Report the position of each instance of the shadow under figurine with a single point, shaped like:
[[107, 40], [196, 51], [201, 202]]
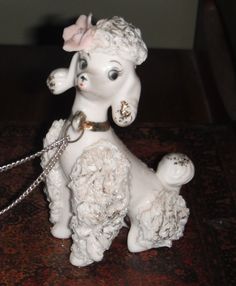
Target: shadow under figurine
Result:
[[98, 181]]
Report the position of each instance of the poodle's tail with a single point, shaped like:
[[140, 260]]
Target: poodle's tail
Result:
[[175, 170]]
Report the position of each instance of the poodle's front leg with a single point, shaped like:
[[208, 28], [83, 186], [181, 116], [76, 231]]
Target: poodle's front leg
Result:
[[56, 189], [100, 197], [59, 197]]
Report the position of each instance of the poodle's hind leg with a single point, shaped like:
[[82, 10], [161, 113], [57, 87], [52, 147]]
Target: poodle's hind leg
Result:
[[100, 197], [157, 222], [161, 216], [56, 190]]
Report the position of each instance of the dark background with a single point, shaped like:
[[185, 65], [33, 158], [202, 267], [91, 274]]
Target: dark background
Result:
[[178, 86]]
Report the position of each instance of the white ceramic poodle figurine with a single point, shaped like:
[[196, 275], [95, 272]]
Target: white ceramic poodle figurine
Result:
[[97, 181]]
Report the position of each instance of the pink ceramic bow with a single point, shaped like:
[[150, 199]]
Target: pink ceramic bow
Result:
[[80, 35]]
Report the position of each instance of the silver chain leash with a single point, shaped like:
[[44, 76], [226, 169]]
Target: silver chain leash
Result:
[[79, 123], [31, 157], [61, 144]]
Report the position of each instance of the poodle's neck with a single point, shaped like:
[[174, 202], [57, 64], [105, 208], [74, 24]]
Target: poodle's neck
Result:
[[95, 110]]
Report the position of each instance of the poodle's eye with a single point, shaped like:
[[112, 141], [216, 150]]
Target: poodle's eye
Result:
[[113, 74], [83, 64]]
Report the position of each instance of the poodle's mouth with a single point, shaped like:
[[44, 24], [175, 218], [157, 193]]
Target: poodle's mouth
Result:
[[82, 80]]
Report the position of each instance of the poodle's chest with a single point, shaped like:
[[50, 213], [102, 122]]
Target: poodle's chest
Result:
[[75, 149]]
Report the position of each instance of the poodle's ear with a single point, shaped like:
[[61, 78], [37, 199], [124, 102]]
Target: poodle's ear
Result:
[[63, 79], [125, 103]]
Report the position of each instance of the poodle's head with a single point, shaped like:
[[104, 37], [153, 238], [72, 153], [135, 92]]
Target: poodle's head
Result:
[[110, 36], [103, 67]]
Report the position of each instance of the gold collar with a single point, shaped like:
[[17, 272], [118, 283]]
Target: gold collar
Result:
[[79, 122]]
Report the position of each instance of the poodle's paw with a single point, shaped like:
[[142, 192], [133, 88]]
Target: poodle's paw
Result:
[[57, 81], [86, 247], [133, 240], [60, 231], [79, 261], [175, 170]]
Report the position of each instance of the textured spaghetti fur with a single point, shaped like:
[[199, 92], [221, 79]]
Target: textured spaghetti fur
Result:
[[162, 220], [100, 187]]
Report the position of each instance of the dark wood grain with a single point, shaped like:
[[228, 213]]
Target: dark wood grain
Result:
[[204, 256]]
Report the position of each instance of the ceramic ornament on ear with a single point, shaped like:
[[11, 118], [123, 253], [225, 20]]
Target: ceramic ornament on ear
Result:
[[98, 181]]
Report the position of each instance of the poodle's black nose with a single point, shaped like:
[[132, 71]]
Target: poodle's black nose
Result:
[[83, 78]]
